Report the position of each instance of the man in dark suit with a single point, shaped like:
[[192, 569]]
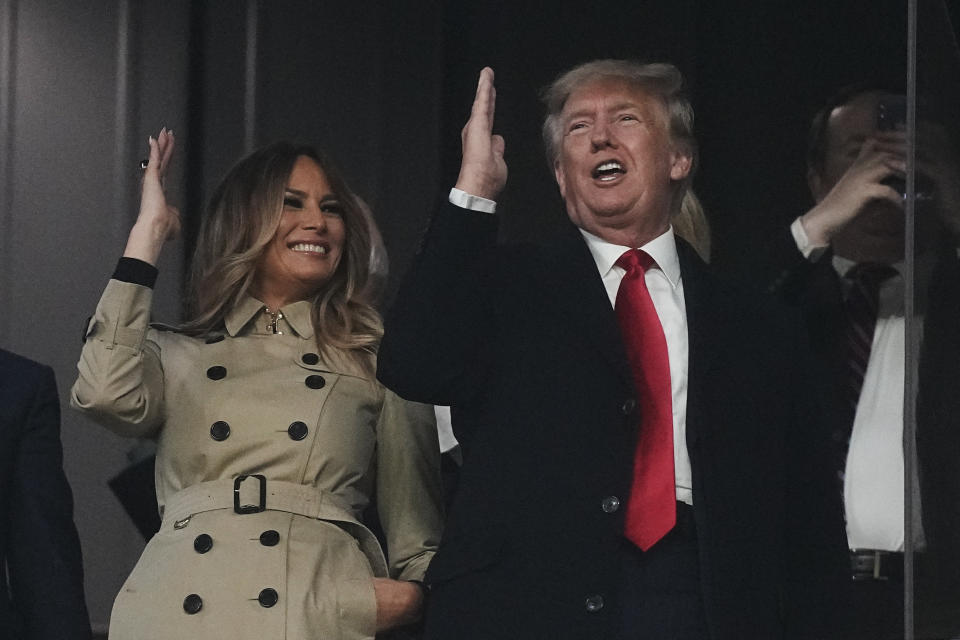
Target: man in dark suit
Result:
[[636, 463], [842, 266], [41, 583]]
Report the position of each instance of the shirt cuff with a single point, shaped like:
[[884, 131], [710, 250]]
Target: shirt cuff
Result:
[[464, 200], [810, 251], [136, 272]]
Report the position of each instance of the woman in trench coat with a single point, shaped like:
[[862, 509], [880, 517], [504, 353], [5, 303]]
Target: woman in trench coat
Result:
[[273, 434]]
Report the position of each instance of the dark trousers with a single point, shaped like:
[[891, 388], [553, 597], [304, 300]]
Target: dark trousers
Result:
[[661, 586], [875, 610]]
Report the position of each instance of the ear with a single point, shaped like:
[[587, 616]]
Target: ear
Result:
[[558, 174], [680, 165], [815, 184]]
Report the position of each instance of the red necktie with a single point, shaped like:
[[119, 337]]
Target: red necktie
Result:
[[652, 507]]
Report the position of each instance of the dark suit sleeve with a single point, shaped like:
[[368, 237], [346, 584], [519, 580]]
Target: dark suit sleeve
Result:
[[46, 573], [816, 564], [783, 269], [434, 333]]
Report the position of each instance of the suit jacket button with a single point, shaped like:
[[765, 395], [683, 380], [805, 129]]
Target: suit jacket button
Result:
[[297, 430], [269, 538], [202, 543], [267, 598], [217, 373], [610, 504], [220, 431], [310, 358], [315, 382], [594, 603], [192, 603], [628, 406]]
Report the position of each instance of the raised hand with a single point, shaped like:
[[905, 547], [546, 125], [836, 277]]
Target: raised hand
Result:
[[483, 171], [157, 221], [881, 156]]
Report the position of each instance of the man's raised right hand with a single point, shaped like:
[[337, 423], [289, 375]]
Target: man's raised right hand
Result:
[[483, 171]]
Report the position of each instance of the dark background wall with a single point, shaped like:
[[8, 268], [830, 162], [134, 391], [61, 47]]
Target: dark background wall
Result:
[[384, 87], [756, 72]]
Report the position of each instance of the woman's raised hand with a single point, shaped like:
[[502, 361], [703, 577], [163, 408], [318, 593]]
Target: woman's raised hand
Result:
[[157, 221]]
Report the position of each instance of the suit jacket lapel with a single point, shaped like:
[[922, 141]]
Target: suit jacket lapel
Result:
[[706, 331], [578, 292]]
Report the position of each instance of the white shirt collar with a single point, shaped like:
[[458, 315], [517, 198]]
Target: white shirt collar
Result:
[[663, 249]]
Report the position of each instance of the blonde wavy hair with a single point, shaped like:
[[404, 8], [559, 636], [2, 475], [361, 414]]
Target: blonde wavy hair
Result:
[[241, 220]]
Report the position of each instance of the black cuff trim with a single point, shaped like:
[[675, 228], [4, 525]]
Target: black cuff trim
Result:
[[136, 271]]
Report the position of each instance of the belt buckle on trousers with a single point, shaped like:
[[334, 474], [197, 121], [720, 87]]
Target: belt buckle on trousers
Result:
[[875, 564]]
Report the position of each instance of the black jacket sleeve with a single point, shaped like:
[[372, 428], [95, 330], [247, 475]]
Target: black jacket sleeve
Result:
[[43, 550], [435, 331]]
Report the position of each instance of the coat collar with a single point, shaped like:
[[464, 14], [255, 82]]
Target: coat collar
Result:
[[298, 315]]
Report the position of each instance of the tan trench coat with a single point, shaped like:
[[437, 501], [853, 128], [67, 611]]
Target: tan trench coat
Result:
[[247, 401]]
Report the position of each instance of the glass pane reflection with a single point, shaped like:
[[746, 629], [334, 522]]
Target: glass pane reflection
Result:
[[933, 350]]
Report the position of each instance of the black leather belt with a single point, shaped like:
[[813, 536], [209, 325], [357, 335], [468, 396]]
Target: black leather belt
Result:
[[874, 564]]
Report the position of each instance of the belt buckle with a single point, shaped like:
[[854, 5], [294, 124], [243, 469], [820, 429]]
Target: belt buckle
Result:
[[249, 508], [868, 565]]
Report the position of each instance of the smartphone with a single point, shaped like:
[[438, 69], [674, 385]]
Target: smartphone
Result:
[[892, 116], [892, 113]]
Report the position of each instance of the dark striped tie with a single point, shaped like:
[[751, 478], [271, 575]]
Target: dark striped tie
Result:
[[860, 308]]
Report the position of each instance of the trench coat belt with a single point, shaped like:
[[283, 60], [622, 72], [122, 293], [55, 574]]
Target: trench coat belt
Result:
[[280, 496]]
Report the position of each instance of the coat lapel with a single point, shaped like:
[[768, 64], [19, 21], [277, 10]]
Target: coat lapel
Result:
[[707, 334], [574, 284]]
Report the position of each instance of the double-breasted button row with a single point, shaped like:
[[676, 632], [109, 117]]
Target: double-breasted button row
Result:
[[193, 603], [313, 381], [220, 430], [204, 542], [594, 603]]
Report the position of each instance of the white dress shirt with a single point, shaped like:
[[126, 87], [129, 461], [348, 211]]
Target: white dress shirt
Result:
[[666, 291], [873, 483]]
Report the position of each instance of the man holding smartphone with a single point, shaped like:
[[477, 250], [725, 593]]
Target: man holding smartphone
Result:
[[846, 275]]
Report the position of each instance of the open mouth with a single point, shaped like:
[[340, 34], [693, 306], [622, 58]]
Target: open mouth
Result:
[[305, 247], [608, 171]]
